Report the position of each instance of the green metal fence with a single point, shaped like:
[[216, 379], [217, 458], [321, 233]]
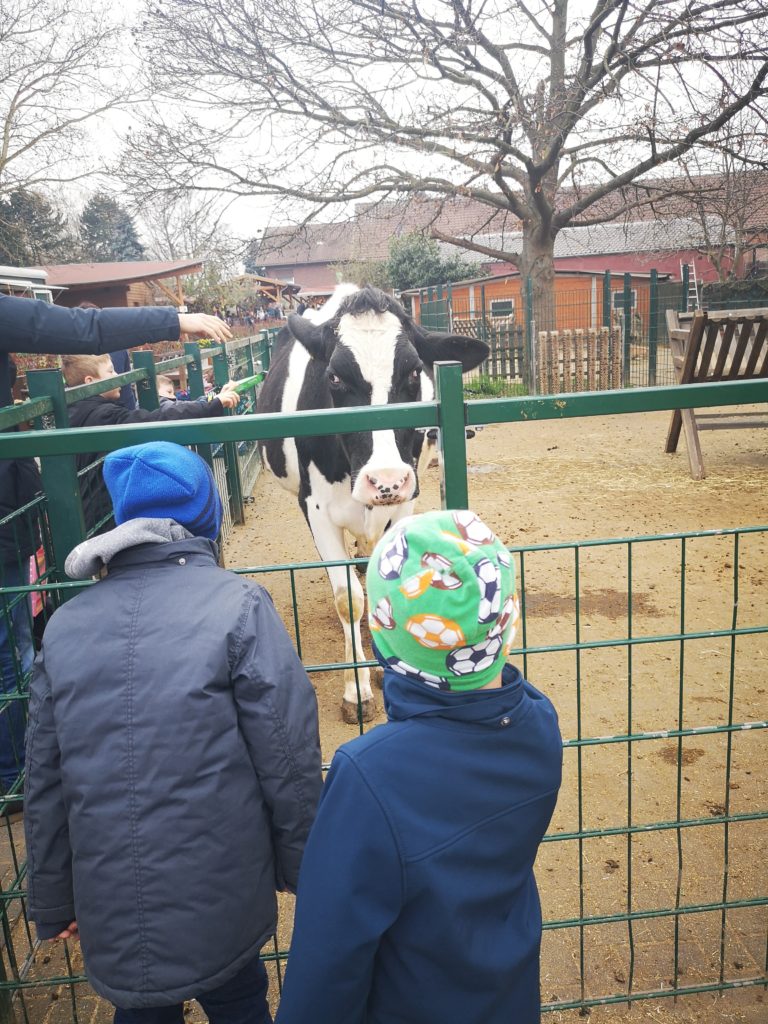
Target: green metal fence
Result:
[[633, 306], [651, 880]]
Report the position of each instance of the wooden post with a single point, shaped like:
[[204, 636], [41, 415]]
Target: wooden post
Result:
[[542, 363], [578, 360], [615, 343], [591, 351], [567, 374], [603, 349]]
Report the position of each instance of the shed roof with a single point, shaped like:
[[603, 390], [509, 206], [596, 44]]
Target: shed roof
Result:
[[73, 275]]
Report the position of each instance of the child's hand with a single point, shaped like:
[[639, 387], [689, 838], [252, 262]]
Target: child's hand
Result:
[[70, 932], [228, 397]]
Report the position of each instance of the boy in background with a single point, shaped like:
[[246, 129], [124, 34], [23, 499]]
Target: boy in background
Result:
[[417, 901], [165, 390], [173, 760], [104, 410]]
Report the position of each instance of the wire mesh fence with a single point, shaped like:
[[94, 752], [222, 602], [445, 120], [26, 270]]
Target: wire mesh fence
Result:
[[533, 340], [650, 882]]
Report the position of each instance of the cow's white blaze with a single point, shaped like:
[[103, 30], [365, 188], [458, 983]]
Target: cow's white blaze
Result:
[[297, 369], [372, 339]]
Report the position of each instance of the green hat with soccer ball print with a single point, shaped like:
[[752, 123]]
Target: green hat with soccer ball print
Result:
[[441, 594]]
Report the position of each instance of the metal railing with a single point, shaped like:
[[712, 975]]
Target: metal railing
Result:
[[616, 928]]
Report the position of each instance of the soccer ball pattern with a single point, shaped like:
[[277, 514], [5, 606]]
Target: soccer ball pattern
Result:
[[404, 669], [381, 617], [472, 529], [435, 632], [393, 558], [489, 581], [461, 637], [466, 660]]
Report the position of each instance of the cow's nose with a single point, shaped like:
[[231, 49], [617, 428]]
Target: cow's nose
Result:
[[389, 486]]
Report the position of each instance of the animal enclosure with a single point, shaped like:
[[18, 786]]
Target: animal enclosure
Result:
[[652, 647]]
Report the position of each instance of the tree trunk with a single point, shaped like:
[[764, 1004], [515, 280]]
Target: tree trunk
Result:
[[537, 264]]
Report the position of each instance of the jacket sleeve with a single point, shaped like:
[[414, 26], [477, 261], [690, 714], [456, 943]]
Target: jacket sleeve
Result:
[[49, 855], [30, 325], [351, 890], [28, 482], [277, 712], [110, 413]]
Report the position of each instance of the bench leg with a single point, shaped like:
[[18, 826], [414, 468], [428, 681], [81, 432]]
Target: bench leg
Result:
[[673, 435], [692, 444]]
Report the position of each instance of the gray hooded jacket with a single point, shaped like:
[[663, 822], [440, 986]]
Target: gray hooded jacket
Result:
[[173, 766]]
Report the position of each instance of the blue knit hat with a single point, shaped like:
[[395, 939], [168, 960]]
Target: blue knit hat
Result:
[[160, 480]]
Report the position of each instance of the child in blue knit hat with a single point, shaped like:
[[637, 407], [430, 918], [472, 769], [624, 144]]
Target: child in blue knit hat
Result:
[[417, 901], [173, 760]]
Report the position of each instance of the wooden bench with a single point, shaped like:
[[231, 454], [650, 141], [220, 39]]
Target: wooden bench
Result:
[[709, 346]]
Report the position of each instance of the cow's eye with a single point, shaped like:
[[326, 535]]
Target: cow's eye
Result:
[[334, 380], [415, 375]]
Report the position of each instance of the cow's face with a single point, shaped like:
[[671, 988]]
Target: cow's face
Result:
[[374, 354]]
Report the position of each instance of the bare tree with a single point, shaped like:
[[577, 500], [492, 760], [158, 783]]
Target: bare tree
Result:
[[60, 67], [540, 110], [189, 226], [731, 204]]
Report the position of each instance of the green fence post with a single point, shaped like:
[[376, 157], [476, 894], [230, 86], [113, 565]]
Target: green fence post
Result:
[[627, 326], [453, 441], [59, 474], [607, 298], [684, 289], [653, 328], [7, 1015], [484, 324], [146, 389], [265, 350], [231, 461], [196, 388], [449, 299]]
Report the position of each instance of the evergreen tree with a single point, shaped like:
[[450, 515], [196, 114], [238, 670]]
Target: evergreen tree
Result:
[[415, 262], [107, 232], [32, 232]]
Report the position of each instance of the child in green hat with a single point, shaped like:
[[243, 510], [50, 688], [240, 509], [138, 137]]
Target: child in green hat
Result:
[[417, 901]]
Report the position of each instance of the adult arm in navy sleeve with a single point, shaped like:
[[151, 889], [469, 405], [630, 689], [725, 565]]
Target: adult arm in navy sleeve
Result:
[[49, 855], [277, 714], [30, 325], [351, 890]]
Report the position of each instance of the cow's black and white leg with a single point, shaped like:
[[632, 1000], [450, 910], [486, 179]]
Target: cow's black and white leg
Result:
[[349, 598]]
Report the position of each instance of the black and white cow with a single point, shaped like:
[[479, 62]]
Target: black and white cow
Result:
[[363, 349]]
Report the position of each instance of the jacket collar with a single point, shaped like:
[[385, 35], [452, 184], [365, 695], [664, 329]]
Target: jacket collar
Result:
[[406, 697], [133, 542]]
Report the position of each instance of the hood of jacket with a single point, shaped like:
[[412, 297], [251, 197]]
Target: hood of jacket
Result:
[[89, 558], [406, 698]]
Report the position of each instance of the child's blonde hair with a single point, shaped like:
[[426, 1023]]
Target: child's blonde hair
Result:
[[165, 382], [77, 368]]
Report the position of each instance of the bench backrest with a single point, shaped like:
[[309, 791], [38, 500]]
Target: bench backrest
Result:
[[721, 344]]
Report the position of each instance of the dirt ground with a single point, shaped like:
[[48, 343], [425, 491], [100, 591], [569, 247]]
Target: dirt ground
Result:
[[556, 482], [544, 484]]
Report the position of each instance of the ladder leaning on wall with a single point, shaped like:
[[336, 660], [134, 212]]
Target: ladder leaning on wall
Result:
[[693, 286]]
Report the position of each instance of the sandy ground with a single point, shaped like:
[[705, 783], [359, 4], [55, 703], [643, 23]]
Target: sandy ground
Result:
[[576, 480]]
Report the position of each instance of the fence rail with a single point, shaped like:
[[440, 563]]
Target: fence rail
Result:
[[615, 934]]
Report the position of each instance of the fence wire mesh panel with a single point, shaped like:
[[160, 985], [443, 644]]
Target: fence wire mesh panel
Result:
[[651, 880], [519, 328]]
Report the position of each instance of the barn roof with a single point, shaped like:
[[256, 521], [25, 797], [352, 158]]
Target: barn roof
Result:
[[73, 275], [367, 233], [677, 233]]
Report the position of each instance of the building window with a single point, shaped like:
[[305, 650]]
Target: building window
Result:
[[618, 299], [502, 307]]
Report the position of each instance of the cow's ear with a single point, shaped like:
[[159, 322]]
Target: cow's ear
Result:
[[312, 336], [434, 345]]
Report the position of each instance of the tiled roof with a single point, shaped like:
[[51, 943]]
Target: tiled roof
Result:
[[613, 238], [367, 234], [71, 275]]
